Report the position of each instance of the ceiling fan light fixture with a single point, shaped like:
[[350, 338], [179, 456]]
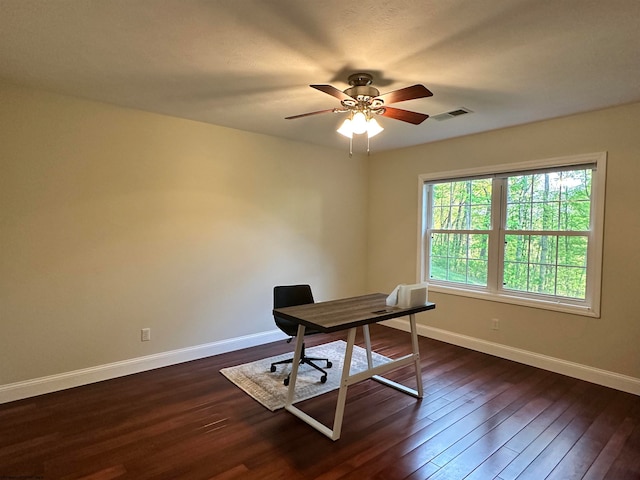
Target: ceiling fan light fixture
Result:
[[359, 123], [373, 128], [348, 128], [345, 129]]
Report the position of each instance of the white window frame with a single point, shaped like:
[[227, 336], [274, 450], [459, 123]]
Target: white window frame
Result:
[[590, 306]]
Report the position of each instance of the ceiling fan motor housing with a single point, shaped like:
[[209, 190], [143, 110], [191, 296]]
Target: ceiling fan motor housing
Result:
[[361, 86], [356, 92]]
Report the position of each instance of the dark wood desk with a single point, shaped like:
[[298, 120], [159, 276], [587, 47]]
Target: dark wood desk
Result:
[[349, 314]]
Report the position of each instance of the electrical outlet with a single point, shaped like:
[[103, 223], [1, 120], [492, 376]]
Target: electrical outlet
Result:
[[495, 324], [145, 334]]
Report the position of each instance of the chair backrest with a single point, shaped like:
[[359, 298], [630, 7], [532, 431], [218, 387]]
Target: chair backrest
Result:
[[290, 296]]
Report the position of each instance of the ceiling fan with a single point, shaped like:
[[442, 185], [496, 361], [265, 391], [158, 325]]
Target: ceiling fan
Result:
[[362, 102]]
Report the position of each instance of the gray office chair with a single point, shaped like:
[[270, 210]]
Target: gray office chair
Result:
[[291, 296]]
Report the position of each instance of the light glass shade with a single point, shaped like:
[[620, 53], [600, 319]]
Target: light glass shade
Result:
[[373, 128], [345, 129], [359, 123]]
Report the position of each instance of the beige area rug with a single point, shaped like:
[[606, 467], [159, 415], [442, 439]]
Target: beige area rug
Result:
[[256, 380]]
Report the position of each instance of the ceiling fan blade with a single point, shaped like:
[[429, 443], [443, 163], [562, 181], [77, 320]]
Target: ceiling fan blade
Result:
[[404, 94], [312, 113], [333, 91], [404, 115]]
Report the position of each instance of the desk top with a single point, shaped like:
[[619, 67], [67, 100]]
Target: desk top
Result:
[[347, 313]]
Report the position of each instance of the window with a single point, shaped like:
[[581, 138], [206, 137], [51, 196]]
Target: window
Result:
[[528, 233]]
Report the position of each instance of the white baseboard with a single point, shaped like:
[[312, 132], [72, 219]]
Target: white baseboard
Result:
[[53, 383], [571, 369]]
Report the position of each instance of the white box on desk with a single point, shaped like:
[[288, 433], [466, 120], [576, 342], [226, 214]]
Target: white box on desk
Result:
[[406, 296]]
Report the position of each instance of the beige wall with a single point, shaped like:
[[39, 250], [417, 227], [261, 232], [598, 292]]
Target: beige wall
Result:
[[611, 342], [112, 220]]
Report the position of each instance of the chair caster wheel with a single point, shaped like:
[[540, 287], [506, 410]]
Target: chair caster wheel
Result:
[[323, 379], [286, 382], [329, 364], [273, 368]]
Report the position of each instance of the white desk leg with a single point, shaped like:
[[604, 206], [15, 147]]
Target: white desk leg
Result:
[[342, 393], [344, 384], [294, 365], [416, 353], [367, 342]]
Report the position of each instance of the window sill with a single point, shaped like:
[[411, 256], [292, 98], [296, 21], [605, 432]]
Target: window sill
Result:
[[556, 306]]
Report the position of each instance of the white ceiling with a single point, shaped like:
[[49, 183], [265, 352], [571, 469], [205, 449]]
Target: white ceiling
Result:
[[247, 64]]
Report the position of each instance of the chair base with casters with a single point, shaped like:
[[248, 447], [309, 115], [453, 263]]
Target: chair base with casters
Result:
[[307, 361], [291, 296]]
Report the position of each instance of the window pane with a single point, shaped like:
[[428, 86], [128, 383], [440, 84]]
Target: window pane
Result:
[[543, 249], [458, 245], [516, 248], [438, 268], [546, 187], [572, 251], [441, 194], [544, 215], [459, 217], [542, 279], [480, 217], [574, 216], [462, 205], [439, 244], [519, 216], [572, 282], [460, 258], [478, 246], [516, 275], [519, 189], [457, 270], [440, 217], [576, 184], [477, 272]]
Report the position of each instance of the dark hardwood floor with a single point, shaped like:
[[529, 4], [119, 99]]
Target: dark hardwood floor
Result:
[[482, 418]]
